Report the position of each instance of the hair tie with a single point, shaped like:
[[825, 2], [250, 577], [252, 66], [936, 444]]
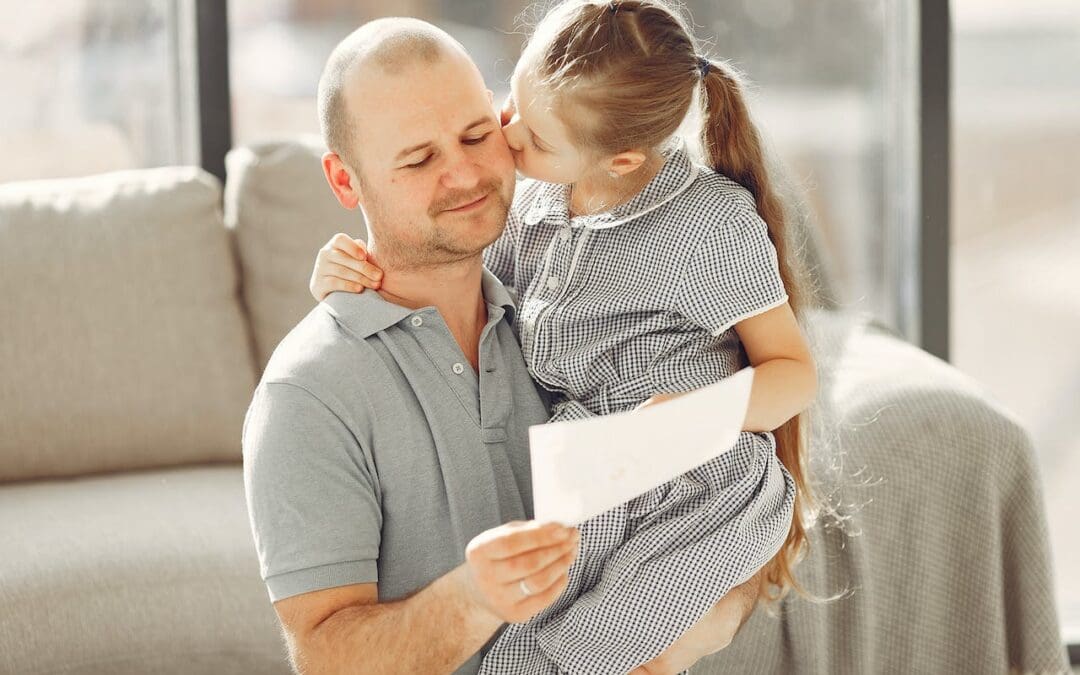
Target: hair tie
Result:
[[613, 7], [703, 66]]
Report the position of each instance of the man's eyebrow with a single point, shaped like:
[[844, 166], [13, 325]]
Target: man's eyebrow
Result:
[[420, 146], [486, 119], [408, 151]]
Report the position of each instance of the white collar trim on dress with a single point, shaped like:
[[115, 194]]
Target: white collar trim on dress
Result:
[[690, 177]]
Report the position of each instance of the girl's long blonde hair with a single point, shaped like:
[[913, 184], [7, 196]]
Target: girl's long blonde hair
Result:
[[626, 74]]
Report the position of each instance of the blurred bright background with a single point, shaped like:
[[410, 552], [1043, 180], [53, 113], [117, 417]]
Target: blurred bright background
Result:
[[98, 85]]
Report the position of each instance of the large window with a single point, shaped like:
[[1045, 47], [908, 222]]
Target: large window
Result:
[[96, 85], [1016, 238]]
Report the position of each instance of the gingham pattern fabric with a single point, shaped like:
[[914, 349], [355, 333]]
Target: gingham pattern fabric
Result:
[[614, 308]]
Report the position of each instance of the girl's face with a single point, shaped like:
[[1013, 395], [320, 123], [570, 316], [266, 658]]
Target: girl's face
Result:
[[538, 139]]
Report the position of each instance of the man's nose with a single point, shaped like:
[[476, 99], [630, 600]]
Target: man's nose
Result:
[[461, 171]]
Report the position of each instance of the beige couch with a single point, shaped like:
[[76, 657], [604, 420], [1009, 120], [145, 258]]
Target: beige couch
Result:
[[137, 310]]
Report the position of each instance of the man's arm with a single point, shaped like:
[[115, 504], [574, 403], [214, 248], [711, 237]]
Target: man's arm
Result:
[[347, 630]]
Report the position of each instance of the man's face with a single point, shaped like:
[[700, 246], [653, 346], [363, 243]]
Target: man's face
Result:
[[436, 174]]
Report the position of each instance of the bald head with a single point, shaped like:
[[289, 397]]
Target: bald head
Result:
[[390, 45]]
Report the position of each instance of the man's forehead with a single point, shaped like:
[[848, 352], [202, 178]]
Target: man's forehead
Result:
[[400, 109]]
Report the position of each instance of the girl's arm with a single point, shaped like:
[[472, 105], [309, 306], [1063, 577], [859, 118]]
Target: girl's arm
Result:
[[343, 265], [785, 377]]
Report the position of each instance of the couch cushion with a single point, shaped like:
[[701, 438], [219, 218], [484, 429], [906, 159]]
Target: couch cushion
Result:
[[279, 203], [124, 342], [138, 572]]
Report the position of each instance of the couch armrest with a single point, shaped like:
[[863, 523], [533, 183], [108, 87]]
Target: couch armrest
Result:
[[936, 542]]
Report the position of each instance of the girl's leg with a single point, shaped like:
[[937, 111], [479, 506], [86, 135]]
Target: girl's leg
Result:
[[713, 529]]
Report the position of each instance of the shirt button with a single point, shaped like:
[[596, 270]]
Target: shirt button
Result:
[[564, 235], [417, 321], [458, 368], [553, 282]]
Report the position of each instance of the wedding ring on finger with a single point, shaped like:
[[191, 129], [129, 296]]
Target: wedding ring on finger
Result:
[[525, 590]]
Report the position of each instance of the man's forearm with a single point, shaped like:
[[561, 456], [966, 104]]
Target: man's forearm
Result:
[[433, 631]]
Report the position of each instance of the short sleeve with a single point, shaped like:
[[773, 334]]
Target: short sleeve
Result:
[[312, 503], [733, 274]]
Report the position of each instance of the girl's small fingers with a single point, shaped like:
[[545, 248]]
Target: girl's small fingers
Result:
[[342, 259], [370, 271], [349, 246], [335, 271], [331, 284]]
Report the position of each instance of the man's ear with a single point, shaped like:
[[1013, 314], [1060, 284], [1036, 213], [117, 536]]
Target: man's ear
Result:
[[343, 182], [626, 162]]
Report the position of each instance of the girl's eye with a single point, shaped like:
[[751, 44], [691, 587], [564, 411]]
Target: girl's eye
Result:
[[419, 164], [532, 139], [478, 140]]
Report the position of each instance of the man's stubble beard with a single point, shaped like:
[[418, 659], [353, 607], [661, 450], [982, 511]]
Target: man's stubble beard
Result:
[[441, 244]]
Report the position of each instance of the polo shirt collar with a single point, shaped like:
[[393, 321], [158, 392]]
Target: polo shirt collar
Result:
[[674, 177], [368, 313]]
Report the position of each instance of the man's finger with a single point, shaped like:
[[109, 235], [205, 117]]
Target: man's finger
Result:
[[531, 604], [525, 565], [507, 542], [554, 574]]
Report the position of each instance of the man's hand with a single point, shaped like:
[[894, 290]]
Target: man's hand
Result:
[[714, 632], [515, 570]]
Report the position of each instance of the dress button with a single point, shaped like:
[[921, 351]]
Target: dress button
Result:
[[458, 368], [417, 321], [553, 282]]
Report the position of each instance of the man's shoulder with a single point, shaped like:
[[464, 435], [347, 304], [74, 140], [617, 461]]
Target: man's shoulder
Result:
[[318, 353]]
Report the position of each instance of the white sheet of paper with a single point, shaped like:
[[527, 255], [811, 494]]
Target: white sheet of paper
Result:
[[585, 467]]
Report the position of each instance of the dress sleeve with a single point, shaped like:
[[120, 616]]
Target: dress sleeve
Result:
[[312, 501], [733, 274]]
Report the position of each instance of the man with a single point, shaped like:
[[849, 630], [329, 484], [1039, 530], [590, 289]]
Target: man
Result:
[[386, 457]]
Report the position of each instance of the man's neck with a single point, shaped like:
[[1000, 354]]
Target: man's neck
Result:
[[453, 288]]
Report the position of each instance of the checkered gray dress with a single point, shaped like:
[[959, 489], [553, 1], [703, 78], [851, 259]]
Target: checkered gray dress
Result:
[[614, 308]]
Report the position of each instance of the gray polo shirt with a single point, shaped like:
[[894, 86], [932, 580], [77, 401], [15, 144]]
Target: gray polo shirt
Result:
[[373, 452]]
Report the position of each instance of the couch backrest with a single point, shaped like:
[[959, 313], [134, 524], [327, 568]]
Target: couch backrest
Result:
[[123, 343], [282, 210]]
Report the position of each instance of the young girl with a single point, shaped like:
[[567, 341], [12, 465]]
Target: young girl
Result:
[[640, 273]]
